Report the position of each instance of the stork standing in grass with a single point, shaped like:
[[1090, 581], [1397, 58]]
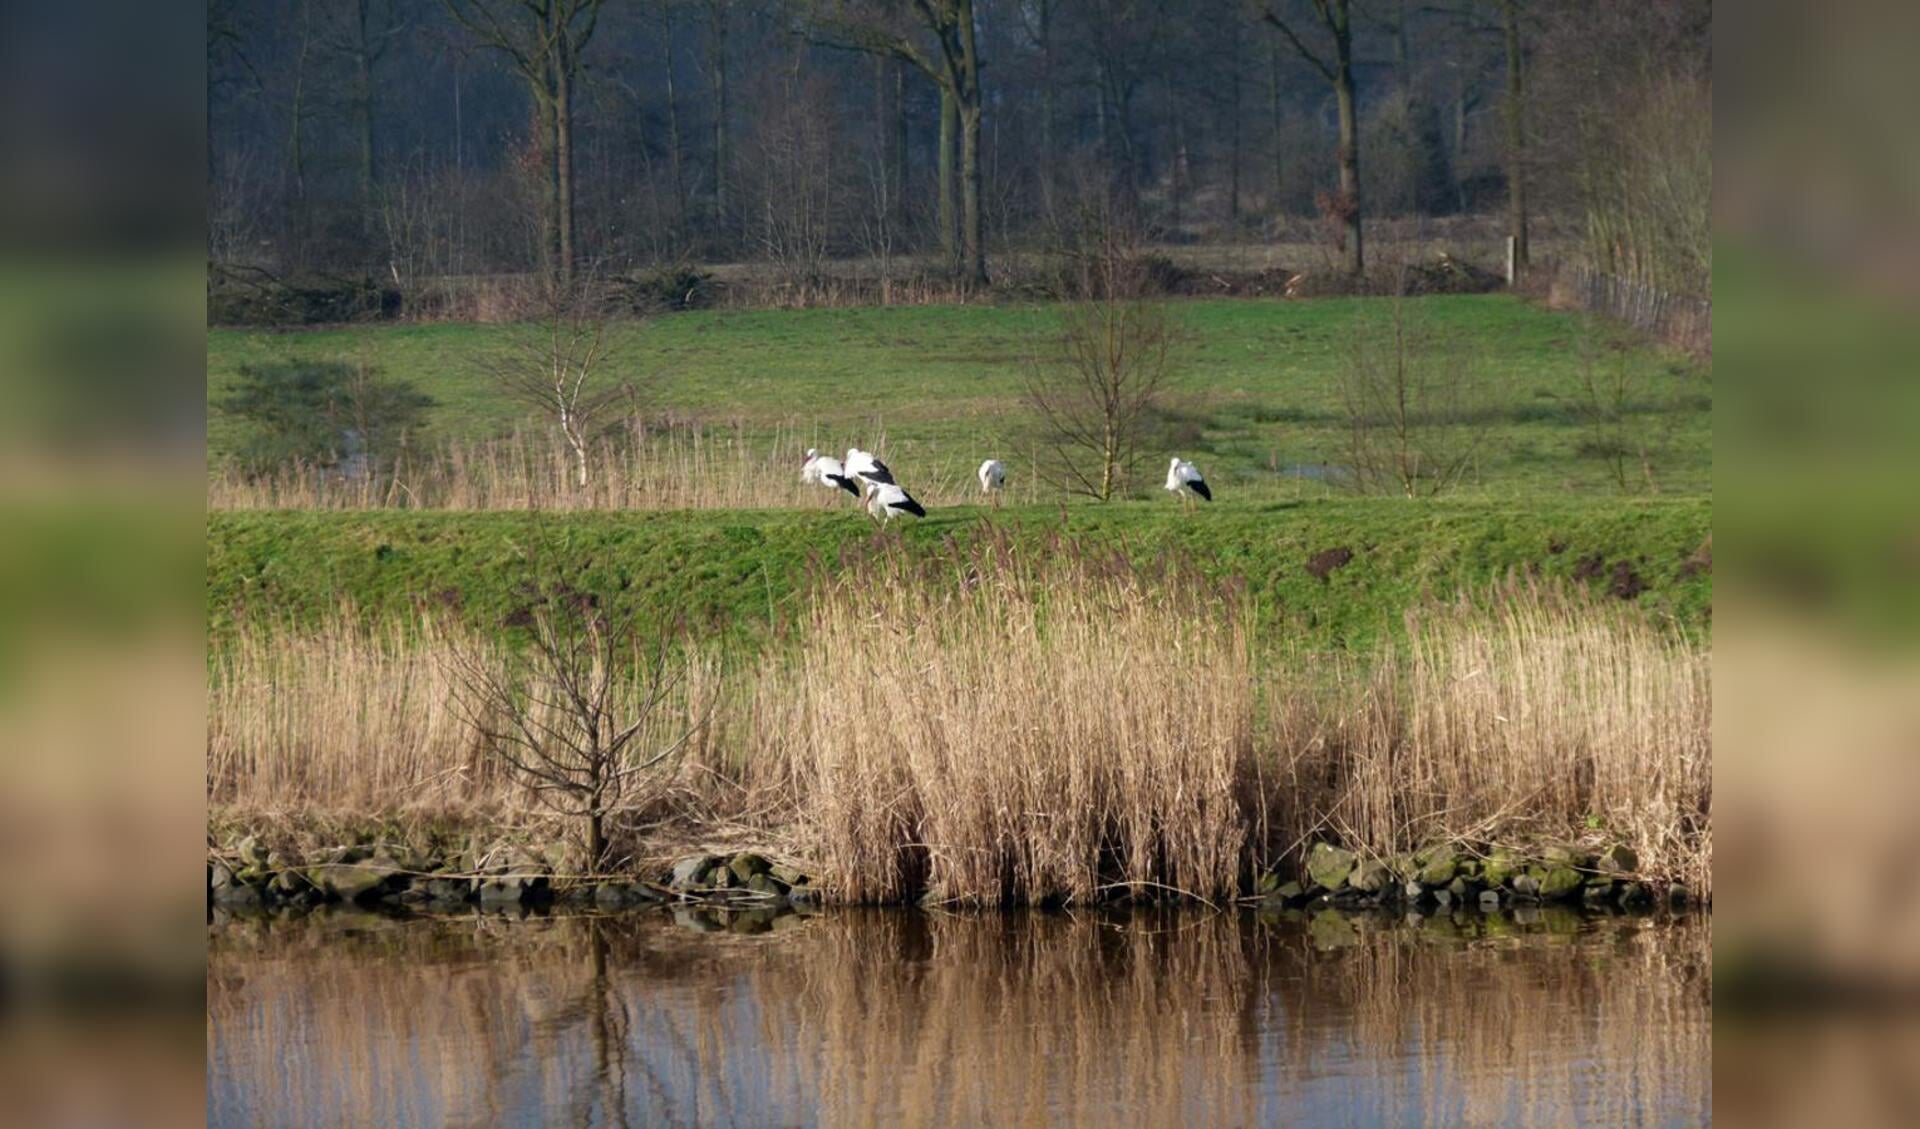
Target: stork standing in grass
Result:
[[993, 479], [1183, 478], [884, 499], [863, 466], [825, 470]]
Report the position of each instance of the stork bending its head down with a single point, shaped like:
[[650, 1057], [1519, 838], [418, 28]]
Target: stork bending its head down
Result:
[[884, 499], [993, 479], [1183, 478], [825, 470]]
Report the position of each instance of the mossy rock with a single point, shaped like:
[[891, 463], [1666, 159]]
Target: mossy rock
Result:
[[1267, 883], [1559, 855], [1438, 866], [747, 864], [691, 871], [766, 884], [1329, 865], [1289, 892], [721, 877], [1404, 866], [1498, 867], [252, 851], [791, 875], [1561, 882], [1618, 859], [350, 882], [1369, 877]]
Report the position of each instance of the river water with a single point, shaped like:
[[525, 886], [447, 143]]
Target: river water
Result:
[[872, 1017]]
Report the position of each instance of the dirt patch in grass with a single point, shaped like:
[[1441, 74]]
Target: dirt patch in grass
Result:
[[1327, 561]]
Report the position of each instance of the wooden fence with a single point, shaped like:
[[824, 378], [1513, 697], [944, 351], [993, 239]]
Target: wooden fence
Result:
[[1678, 319]]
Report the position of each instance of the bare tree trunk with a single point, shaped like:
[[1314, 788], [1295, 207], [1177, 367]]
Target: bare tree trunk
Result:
[[1349, 155], [1273, 109], [899, 154], [973, 107], [296, 153], [363, 112], [1176, 154], [972, 217], [1048, 157], [1350, 176], [1233, 127], [563, 177], [717, 69], [949, 218], [674, 146], [1336, 18], [1462, 104], [1516, 141]]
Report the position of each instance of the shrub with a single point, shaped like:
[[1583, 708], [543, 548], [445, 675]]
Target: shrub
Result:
[[257, 298], [322, 412]]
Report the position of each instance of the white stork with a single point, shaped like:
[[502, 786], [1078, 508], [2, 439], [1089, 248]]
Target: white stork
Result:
[[884, 499], [863, 466], [825, 470], [1183, 478], [993, 479]]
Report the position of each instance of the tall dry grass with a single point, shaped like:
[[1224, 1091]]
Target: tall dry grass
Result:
[[1531, 713], [634, 467], [1005, 727], [1022, 728]]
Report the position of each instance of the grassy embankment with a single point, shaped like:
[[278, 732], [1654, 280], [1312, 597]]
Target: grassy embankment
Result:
[[1256, 397], [1008, 712], [731, 575]]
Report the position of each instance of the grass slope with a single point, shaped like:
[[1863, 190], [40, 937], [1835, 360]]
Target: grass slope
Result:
[[1257, 387], [735, 574]]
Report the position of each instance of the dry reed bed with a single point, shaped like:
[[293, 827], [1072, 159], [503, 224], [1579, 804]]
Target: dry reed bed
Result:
[[635, 467], [1021, 728]]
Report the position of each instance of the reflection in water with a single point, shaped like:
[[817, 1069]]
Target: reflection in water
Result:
[[877, 1017]]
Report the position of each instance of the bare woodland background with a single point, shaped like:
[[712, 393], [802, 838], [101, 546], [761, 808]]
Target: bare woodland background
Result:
[[427, 145]]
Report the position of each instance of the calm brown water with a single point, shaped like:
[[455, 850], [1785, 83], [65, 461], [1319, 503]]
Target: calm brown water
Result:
[[901, 1018]]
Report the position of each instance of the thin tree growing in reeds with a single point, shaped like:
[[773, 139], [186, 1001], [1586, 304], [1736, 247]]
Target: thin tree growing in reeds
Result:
[[551, 711]]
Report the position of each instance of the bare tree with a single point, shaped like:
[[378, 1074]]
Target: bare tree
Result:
[[796, 181], [1336, 66], [1516, 107], [1618, 407], [1412, 400], [544, 40], [561, 366], [570, 713], [1096, 389], [888, 27]]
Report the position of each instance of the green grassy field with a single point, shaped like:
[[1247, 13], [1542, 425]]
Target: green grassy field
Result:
[[1257, 394], [732, 575]]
